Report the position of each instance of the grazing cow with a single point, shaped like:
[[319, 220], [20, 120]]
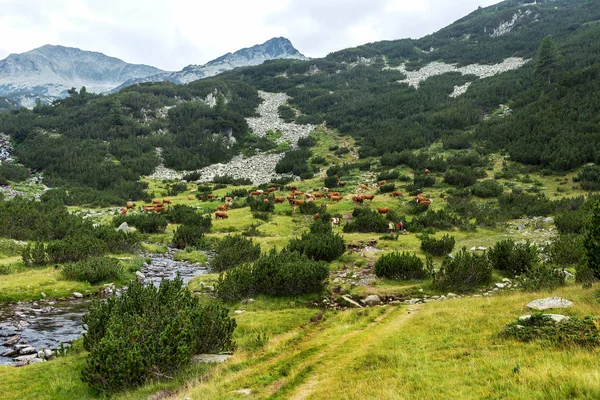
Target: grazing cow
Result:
[[381, 183], [221, 215], [383, 210], [279, 199], [191, 198], [290, 197], [308, 196], [265, 201], [427, 171], [293, 188], [326, 189], [210, 196], [335, 221], [199, 196], [228, 199], [335, 199], [445, 198], [271, 189], [315, 217], [297, 193], [364, 187], [358, 199], [318, 195], [331, 194], [221, 207], [130, 205], [342, 183], [425, 203], [148, 208], [298, 202], [369, 196], [260, 191], [166, 201], [156, 201], [124, 211], [397, 194]]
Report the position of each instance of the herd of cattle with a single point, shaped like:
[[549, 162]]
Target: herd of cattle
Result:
[[295, 198]]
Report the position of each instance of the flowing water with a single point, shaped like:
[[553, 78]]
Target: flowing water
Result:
[[45, 324]]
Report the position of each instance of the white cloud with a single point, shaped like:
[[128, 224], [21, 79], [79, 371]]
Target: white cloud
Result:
[[172, 34]]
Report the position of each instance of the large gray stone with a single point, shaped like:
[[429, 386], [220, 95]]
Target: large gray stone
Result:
[[555, 317], [77, 295], [372, 300], [12, 340], [124, 227], [211, 358], [549, 302], [140, 276], [28, 350]]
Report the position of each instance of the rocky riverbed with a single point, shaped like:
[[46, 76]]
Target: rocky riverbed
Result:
[[32, 332]]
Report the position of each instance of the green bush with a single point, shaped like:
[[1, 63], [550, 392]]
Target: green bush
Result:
[[387, 188], [311, 208], [464, 272], [589, 178], [518, 205], [149, 333], [366, 220], [75, 248], [441, 219], [542, 276], [234, 250], [93, 270], [513, 258], [437, 247], [402, 266], [182, 214], [34, 255], [145, 223], [387, 175], [461, 177], [276, 274], [579, 332], [567, 250], [591, 241], [571, 221], [257, 204], [188, 235], [320, 243], [487, 188]]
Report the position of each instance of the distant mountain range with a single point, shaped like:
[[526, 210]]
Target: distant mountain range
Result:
[[275, 48], [47, 73]]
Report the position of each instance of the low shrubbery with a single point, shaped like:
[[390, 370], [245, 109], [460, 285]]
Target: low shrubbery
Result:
[[574, 332], [94, 270], [320, 243], [487, 188], [441, 219], [437, 247], [188, 235], [402, 266], [145, 223], [519, 204], [464, 272], [276, 274], [234, 250], [258, 204], [387, 188], [513, 258], [567, 250], [541, 276], [148, 333], [461, 177], [366, 220], [571, 221]]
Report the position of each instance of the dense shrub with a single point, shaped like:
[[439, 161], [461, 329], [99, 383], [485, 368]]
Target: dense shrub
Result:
[[487, 188], [441, 219], [188, 235], [330, 181], [234, 250], [319, 160], [93, 270], [589, 177], [518, 205], [387, 188], [567, 250], [402, 266], [320, 243], [437, 247], [34, 255], [573, 222], [591, 241], [542, 276], [276, 274], [463, 273], [461, 177], [311, 208], [308, 141], [286, 113], [152, 332], [173, 189], [366, 220], [258, 204], [580, 332], [145, 223], [12, 172], [294, 161], [75, 248], [513, 258], [191, 176], [182, 214], [388, 175]]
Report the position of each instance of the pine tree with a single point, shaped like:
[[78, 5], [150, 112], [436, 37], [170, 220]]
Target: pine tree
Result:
[[592, 241], [547, 58]]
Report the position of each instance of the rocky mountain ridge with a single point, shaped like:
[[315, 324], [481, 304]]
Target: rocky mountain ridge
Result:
[[276, 48]]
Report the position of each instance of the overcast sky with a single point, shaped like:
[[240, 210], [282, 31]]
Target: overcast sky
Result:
[[172, 34]]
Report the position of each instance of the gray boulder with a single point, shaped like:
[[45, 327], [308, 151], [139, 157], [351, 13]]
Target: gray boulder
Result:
[[77, 295], [555, 317], [549, 302], [139, 276], [124, 227], [372, 300]]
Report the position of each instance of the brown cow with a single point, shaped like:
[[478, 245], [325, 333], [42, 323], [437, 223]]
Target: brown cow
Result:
[[330, 194], [200, 197], [228, 199], [397, 194], [335, 221], [190, 198], [384, 210], [260, 191], [265, 201], [221, 215], [156, 201], [124, 211], [315, 217], [325, 189], [381, 183], [293, 188], [279, 199], [342, 183], [130, 205], [271, 189], [427, 171], [358, 199], [364, 187], [210, 196], [221, 207], [298, 202], [148, 208], [318, 195], [335, 198], [445, 198], [166, 201], [369, 196]]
